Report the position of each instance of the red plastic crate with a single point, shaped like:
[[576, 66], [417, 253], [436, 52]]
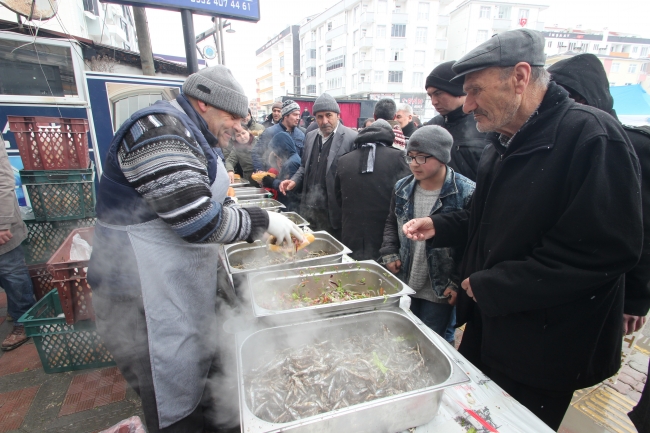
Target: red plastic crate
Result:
[[69, 277], [41, 280], [51, 143]]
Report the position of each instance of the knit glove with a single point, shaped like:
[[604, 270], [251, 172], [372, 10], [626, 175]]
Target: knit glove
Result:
[[267, 182]]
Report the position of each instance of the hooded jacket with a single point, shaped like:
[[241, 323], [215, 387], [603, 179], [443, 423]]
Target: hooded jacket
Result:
[[468, 141], [546, 246], [282, 145], [585, 76], [364, 198]]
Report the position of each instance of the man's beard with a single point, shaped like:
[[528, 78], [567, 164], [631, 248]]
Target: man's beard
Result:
[[508, 114]]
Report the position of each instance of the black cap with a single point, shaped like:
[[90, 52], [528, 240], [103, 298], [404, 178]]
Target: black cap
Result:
[[440, 79], [503, 49]]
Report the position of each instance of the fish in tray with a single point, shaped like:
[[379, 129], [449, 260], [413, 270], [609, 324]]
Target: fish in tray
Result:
[[311, 379]]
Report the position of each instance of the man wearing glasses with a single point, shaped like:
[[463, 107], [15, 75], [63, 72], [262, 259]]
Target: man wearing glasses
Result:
[[432, 188]]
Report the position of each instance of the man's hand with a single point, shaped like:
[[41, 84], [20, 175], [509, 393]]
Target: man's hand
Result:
[[287, 185], [419, 229], [451, 295], [467, 288], [632, 324], [395, 266], [5, 236], [231, 176]]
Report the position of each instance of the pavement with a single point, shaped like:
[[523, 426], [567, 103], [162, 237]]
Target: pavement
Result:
[[89, 401]]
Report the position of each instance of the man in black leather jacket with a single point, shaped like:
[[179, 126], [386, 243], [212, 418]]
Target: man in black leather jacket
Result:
[[448, 98]]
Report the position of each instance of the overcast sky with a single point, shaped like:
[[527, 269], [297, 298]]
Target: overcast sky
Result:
[[631, 16]]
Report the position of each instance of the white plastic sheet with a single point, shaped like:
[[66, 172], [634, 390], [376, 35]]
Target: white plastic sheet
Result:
[[80, 249], [129, 425]]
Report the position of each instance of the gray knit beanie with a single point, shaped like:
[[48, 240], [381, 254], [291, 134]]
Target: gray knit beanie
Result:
[[216, 86], [433, 140], [276, 104], [289, 106], [326, 102]]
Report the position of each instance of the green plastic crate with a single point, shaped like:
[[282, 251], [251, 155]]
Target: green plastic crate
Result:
[[63, 347], [58, 195], [44, 238]]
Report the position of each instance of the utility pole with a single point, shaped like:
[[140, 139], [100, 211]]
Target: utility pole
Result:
[[223, 54], [190, 41], [216, 35], [144, 40]]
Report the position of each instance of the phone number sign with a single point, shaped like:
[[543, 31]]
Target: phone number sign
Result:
[[245, 10]]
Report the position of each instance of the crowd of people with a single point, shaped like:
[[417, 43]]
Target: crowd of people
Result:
[[520, 211]]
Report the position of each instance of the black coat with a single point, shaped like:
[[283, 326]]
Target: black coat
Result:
[[554, 223], [364, 198], [468, 141], [409, 129]]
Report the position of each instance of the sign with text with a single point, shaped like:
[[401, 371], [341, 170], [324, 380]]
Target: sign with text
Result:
[[415, 100], [244, 10]]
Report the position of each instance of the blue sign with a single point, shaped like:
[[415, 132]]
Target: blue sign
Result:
[[245, 10]]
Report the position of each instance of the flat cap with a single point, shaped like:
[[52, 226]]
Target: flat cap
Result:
[[503, 49]]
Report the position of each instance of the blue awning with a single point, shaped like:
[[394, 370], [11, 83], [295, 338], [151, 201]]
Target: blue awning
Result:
[[630, 100]]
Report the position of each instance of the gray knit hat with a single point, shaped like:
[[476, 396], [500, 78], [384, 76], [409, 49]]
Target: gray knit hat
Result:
[[216, 86], [326, 102], [289, 106], [276, 104], [433, 140]]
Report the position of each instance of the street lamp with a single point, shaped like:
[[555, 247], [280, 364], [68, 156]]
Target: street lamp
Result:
[[219, 25]]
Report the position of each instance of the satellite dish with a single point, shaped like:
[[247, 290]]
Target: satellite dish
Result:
[[209, 52], [32, 9]]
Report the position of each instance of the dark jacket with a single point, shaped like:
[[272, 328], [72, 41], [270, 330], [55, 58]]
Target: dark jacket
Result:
[[282, 145], [241, 154], [269, 121], [455, 195], [261, 149], [468, 142], [341, 144], [585, 76], [364, 198], [547, 246], [409, 129]]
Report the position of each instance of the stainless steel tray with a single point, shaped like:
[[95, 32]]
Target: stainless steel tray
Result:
[[296, 219], [388, 414], [266, 204], [248, 193], [239, 253], [239, 183], [267, 287]]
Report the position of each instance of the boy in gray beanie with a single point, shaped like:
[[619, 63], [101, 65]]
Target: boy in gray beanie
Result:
[[433, 187]]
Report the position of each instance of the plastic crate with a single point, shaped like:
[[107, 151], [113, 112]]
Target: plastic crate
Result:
[[43, 238], [41, 280], [57, 195], [63, 347], [69, 277], [51, 143]]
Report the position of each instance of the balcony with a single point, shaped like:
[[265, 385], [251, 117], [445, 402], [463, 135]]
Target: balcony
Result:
[[367, 19], [340, 30], [365, 43], [399, 18], [365, 65], [311, 45], [398, 43], [396, 65], [443, 20], [309, 63], [501, 24], [364, 87], [335, 53], [441, 44]]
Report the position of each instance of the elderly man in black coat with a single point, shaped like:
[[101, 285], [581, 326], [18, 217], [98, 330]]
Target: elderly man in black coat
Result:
[[554, 224], [364, 184]]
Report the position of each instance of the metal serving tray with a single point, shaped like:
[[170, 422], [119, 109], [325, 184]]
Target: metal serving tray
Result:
[[238, 253], [266, 204], [239, 183], [296, 219], [248, 193], [266, 287], [389, 414]]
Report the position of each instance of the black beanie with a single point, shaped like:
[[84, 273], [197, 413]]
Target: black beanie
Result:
[[440, 79]]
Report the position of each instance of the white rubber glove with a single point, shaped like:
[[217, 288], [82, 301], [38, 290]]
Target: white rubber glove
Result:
[[282, 228]]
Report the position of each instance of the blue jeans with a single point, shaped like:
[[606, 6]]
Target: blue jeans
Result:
[[15, 280], [436, 316]]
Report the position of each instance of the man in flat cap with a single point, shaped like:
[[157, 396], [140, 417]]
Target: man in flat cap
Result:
[[546, 246], [290, 120], [162, 213], [447, 98]]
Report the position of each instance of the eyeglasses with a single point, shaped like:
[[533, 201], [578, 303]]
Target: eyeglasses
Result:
[[420, 159]]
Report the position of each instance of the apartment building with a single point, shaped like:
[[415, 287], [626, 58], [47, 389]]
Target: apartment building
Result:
[[473, 22], [373, 49], [278, 68], [561, 40]]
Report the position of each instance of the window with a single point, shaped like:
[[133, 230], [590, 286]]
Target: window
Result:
[[628, 84], [381, 31], [311, 71], [485, 12], [354, 60], [320, 71], [523, 13], [320, 33], [398, 9], [595, 47], [632, 68], [397, 55], [382, 6], [644, 68], [421, 35], [355, 38], [356, 14], [312, 54], [335, 63], [320, 88], [380, 55], [418, 79], [329, 47], [282, 61], [329, 26], [615, 67], [481, 36], [550, 44], [644, 52], [302, 60], [503, 12], [311, 89], [335, 83], [313, 35], [354, 81], [572, 46], [362, 78], [394, 76], [125, 28], [418, 58], [423, 11], [127, 46], [91, 6], [129, 104], [320, 53], [379, 76], [398, 31], [635, 50]]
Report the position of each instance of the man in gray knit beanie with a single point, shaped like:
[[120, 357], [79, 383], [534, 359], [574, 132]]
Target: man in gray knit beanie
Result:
[[433, 140]]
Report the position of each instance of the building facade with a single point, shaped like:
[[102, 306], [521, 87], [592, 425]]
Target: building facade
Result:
[[278, 68], [604, 43]]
